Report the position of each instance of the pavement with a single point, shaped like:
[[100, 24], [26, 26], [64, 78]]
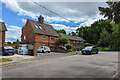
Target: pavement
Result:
[[60, 65]]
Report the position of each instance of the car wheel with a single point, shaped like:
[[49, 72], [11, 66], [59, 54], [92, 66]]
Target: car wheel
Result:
[[12, 53], [42, 51], [97, 52], [48, 51], [83, 53]]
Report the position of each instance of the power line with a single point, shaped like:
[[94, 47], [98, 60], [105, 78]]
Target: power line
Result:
[[53, 12]]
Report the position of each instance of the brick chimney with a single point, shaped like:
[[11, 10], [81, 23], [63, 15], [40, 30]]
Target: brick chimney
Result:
[[41, 19]]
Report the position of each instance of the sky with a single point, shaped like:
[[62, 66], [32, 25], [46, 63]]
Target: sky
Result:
[[15, 14]]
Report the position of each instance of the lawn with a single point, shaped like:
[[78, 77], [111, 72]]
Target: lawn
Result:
[[5, 60]]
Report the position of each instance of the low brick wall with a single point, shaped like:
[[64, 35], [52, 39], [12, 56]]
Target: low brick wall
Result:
[[59, 50]]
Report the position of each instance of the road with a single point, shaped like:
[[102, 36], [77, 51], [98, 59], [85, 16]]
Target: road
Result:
[[102, 65]]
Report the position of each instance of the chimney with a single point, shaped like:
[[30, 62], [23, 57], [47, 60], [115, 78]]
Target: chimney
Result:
[[41, 19]]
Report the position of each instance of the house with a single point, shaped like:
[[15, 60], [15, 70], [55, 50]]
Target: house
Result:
[[37, 32], [74, 40], [2, 33]]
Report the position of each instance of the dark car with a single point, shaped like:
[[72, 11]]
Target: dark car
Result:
[[90, 50], [8, 50]]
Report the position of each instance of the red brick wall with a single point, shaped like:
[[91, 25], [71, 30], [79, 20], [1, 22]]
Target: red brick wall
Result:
[[29, 33], [74, 44], [2, 38], [39, 40]]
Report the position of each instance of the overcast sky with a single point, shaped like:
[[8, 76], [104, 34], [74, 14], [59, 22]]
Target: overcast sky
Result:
[[15, 14]]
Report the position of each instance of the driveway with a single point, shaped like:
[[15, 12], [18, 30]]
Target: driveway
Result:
[[102, 65]]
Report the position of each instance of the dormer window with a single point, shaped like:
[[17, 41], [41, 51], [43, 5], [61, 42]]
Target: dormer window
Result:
[[40, 27], [36, 26]]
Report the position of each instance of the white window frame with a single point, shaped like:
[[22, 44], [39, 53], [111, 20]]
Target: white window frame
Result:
[[40, 27], [53, 37], [73, 41], [43, 37]]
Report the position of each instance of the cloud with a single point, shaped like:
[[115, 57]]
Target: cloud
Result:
[[1, 20], [66, 28], [23, 20], [76, 11], [13, 33]]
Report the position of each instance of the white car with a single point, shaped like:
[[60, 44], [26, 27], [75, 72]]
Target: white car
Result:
[[44, 49], [23, 49]]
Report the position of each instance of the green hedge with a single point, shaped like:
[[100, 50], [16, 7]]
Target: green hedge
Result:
[[104, 49]]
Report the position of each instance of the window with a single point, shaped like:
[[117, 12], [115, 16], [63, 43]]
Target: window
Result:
[[36, 26], [52, 38], [44, 37], [77, 41], [40, 27], [52, 46], [24, 37], [74, 42], [43, 44]]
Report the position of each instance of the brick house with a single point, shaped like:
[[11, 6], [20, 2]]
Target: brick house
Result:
[[36, 32], [2, 33], [74, 40]]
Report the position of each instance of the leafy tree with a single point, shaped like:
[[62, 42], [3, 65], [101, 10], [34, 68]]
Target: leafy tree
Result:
[[116, 37], [17, 42], [61, 31], [105, 39], [87, 44], [9, 43], [68, 46], [69, 34], [62, 41], [112, 11], [73, 33]]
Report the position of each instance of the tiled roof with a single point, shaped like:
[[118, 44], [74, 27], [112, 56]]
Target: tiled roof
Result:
[[72, 37], [2, 26], [43, 29]]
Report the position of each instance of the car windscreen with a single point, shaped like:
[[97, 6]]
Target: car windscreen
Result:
[[90, 47], [22, 47], [8, 47]]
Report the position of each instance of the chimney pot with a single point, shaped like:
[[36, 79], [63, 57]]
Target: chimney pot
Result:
[[41, 19]]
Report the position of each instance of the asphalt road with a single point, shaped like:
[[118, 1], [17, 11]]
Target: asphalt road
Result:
[[102, 65]]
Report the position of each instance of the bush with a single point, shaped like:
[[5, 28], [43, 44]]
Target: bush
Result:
[[104, 49], [71, 50], [81, 47], [68, 46], [87, 44]]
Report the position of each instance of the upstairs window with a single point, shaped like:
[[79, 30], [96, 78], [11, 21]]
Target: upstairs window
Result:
[[73, 41], [52, 38], [24, 37], [36, 26], [44, 37], [40, 27]]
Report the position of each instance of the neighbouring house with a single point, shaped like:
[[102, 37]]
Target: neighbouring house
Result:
[[2, 33], [74, 40], [37, 32]]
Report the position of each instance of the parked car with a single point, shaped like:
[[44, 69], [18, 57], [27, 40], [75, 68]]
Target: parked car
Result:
[[44, 49], [90, 50], [23, 49], [8, 50]]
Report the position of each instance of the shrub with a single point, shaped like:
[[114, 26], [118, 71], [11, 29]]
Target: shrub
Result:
[[81, 47], [71, 50], [68, 46], [87, 44]]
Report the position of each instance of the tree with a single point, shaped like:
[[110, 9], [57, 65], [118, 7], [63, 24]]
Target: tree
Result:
[[105, 39], [116, 37], [62, 41], [9, 43], [73, 33], [17, 42], [68, 46], [61, 31], [112, 11]]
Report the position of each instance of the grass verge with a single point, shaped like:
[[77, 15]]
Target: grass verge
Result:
[[5, 60]]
